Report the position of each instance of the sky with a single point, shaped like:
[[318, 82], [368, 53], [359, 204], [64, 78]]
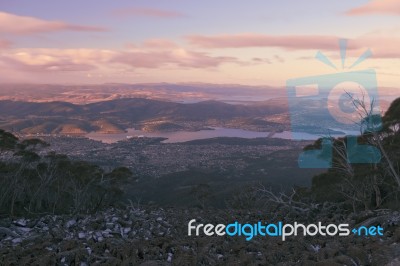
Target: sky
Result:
[[258, 42]]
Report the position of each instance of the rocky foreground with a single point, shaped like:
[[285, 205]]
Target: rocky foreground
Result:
[[155, 236]]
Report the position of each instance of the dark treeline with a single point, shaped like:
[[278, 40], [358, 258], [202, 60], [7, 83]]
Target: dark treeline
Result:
[[32, 184], [354, 187], [365, 186]]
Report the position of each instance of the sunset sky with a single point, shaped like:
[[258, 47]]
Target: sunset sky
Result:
[[259, 42]]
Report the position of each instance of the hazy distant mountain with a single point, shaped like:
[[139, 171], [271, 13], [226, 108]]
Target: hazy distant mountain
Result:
[[112, 108], [116, 115], [180, 92], [183, 92]]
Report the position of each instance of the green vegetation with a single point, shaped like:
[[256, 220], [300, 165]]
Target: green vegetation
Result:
[[33, 184], [365, 186]]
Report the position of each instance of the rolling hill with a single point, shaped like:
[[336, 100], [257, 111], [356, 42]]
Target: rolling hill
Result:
[[117, 115]]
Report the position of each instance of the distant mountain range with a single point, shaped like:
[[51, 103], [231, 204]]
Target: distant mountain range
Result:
[[181, 92], [117, 115], [112, 108]]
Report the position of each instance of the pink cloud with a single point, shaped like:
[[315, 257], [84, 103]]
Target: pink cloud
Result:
[[55, 60], [391, 7], [5, 44], [57, 66], [177, 57], [147, 12], [382, 47], [153, 44], [159, 44], [290, 42], [14, 24], [62, 60]]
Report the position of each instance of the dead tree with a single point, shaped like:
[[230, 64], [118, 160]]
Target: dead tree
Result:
[[369, 126], [286, 200]]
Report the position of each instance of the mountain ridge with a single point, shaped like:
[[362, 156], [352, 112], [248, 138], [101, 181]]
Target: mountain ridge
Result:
[[115, 116]]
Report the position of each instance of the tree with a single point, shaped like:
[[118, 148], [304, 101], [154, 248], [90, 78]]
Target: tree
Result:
[[34, 184], [201, 192], [367, 185], [7, 140]]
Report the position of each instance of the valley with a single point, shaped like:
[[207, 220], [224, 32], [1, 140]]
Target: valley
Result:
[[165, 173]]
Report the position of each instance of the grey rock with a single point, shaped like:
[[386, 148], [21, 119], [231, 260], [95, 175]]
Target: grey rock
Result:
[[16, 241]]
